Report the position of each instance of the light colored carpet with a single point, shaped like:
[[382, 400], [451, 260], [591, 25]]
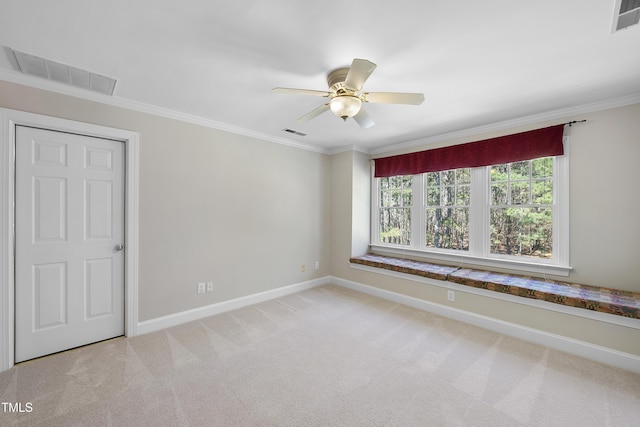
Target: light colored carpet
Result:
[[323, 357]]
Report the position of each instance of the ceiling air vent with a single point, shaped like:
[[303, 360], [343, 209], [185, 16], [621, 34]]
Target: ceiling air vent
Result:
[[40, 67], [295, 132], [627, 13]]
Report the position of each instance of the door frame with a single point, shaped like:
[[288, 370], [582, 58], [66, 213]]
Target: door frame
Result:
[[9, 119]]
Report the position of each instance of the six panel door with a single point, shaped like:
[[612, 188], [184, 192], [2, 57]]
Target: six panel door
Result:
[[69, 273]]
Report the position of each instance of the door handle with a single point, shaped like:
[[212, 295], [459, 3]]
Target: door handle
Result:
[[118, 247]]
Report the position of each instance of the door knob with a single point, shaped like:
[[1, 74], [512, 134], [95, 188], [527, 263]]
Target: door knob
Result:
[[118, 247]]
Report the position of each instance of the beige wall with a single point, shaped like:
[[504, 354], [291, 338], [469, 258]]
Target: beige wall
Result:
[[605, 231], [605, 199], [214, 206]]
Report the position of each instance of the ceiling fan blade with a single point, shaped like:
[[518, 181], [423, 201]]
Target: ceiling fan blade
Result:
[[394, 98], [359, 72], [300, 91], [363, 119], [314, 113]]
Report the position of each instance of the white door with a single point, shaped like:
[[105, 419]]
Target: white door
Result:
[[69, 262]]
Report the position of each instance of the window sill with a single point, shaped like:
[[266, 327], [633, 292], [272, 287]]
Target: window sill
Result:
[[461, 260]]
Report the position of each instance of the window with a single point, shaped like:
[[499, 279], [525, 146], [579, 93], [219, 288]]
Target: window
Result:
[[395, 209], [448, 195], [521, 208], [511, 215]]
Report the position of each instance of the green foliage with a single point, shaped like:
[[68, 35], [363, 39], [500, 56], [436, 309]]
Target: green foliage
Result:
[[521, 216], [396, 199], [521, 231], [448, 228]]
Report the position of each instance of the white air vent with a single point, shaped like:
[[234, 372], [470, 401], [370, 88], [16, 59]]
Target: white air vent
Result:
[[627, 13], [40, 67]]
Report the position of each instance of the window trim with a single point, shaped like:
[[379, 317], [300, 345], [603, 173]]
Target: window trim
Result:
[[478, 254]]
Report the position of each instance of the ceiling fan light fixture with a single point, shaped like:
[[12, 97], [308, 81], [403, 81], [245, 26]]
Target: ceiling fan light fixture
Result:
[[345, 106], [346, 96]]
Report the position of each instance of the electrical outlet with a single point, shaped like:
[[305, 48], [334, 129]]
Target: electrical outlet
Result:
[[303, 268], [317, 265], [451, 296], [209, 286], [201, 287]]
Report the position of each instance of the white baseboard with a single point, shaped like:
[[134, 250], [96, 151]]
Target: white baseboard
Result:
[[601, 354], [168, 321]]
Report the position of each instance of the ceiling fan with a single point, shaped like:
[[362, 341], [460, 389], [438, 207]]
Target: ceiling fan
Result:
[[346, 96]]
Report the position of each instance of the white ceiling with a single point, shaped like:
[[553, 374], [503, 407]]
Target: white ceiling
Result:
[[477, 62]]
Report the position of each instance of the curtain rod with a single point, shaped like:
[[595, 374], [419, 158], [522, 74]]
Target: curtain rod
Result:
[[574, 121]]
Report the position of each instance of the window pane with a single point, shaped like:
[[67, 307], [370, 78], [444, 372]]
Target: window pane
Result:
[[433, 196], [407, 197], [499, 194], [395, 226], [542, 168], [519, 170], [385, 198], [519, 193], [463, 176], [463, 195], [395, 191], [448, 228], [521, 232], [397, 197], [384, 183], [499, 172], [448, 177], [433, 179], [542, 192], [448, 196]]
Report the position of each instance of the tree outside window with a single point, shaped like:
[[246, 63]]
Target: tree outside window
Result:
[[448, 195], [521, 211]]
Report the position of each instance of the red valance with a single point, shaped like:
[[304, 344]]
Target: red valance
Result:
[[505, 149]]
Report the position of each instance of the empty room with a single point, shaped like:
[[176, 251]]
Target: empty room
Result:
[[244, 213]]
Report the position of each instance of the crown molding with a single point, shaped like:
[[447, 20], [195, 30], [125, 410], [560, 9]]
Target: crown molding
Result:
[[114, 101], [348, 148], [507, 124], [19, 78]]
